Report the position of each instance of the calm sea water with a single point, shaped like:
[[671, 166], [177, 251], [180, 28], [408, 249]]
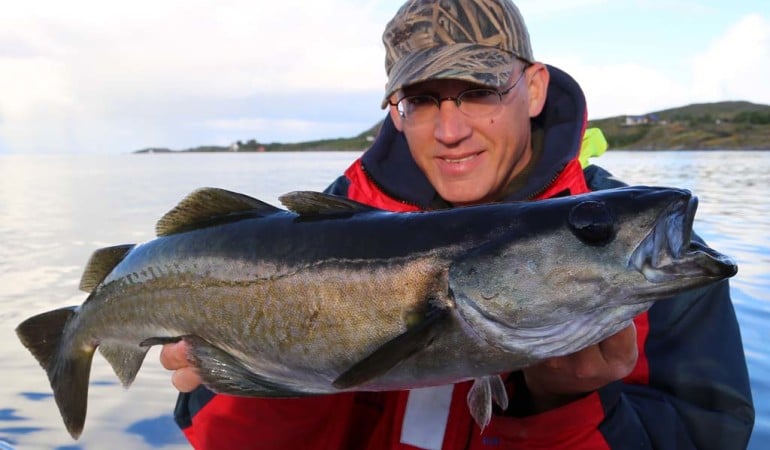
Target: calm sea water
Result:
[[55, 210]]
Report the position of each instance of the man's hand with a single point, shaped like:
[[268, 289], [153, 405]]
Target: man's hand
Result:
[[174, 357], [560, 380]]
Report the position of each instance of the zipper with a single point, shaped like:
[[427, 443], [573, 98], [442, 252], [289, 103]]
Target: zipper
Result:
[[537, 193]]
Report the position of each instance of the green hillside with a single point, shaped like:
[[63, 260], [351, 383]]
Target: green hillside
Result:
[[356, 143], [705, 126]]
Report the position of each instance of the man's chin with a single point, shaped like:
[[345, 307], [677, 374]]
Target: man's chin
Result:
[[463, 194]]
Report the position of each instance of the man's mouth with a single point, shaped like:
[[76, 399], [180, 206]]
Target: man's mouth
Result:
[[460, 159]]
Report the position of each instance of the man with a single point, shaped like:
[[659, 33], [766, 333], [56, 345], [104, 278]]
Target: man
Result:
[[474, 118]]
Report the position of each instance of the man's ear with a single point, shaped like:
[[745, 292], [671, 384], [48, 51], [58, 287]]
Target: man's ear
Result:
[[398, 121], [538, 79]]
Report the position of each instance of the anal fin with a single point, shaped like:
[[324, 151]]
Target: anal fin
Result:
[[125, 358]]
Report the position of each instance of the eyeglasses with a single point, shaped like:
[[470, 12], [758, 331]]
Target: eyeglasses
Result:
[[475, 103]]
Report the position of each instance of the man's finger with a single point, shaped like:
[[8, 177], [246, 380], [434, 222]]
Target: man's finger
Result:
[[186, 379], [620, 350], [174, 356]]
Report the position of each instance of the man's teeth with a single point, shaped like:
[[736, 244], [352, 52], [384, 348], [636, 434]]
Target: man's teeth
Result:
[[459, 160]]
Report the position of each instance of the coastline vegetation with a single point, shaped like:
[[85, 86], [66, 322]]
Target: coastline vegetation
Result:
[[735, 125]]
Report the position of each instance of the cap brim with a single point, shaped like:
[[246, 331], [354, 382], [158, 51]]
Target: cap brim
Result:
[[474, 63]]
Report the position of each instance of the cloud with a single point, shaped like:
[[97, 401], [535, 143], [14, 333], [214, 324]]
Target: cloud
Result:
[[95, 76], [618, 89], [85, 75], [533, 10], [736, 65]]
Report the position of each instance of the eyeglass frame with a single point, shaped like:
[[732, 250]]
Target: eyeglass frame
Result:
[[457, 99]]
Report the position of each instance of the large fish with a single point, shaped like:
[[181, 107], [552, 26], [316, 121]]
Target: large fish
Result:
[[333, 295]]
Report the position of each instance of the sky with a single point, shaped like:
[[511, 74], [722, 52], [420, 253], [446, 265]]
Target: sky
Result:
[[96, 76]]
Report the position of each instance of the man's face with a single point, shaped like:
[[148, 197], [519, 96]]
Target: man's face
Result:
[[472, 160]]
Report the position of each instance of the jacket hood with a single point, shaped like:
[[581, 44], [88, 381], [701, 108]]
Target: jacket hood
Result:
[[390, 165]]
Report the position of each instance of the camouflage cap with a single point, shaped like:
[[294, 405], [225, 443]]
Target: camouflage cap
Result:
[[469, 40]]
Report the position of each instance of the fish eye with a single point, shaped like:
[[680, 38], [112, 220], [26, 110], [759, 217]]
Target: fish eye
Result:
[[592, 223]]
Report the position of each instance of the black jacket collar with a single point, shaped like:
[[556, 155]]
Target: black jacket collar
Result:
[[562, 122]]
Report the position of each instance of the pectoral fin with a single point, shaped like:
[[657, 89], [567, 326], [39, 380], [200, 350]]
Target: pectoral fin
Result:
[[394, 351], [480, 397]]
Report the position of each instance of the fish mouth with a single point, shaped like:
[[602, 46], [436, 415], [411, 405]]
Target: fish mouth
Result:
[[668, 253]]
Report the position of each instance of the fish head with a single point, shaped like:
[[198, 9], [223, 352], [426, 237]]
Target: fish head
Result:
[[570, 272]]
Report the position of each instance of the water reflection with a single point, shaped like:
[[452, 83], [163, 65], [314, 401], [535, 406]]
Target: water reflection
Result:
[[8, 434], [6, 445], [55, 211], [155, 431], [8, 415], [34, 396], [734, 217]]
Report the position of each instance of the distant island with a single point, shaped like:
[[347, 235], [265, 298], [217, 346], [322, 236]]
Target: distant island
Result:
[[705, 126]]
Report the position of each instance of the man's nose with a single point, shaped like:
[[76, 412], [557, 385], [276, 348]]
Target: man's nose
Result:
[[451, 124]]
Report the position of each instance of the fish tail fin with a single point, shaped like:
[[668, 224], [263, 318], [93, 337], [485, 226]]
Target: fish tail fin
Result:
[[68, 370]]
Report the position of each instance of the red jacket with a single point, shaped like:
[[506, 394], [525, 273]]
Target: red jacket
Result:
[[683, 393]]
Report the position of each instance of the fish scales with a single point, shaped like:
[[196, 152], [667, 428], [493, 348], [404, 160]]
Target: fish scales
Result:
[[304, 318], [335, 296]]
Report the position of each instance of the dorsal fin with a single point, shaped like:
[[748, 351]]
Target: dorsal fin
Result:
[[309, 203], [100, 264], [205, 204]]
